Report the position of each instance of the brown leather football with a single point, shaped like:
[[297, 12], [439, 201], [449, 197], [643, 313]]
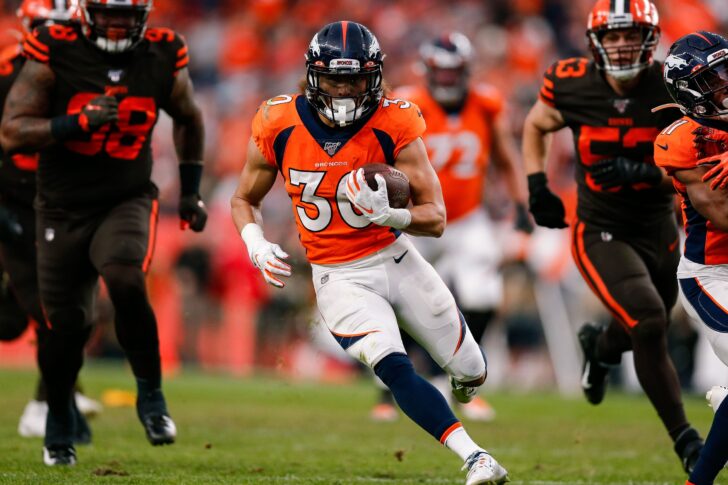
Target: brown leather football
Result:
[[398, 189]]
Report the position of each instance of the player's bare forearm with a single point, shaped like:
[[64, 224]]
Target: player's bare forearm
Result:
[[189, 139], [255, 182], [428, 219], [244, 212], [428, 208], [506, 159], [189, 129], [711, 204], [541, 121], [25, 125]]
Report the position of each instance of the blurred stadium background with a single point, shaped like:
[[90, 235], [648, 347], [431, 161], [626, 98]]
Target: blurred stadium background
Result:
[[215, 312]]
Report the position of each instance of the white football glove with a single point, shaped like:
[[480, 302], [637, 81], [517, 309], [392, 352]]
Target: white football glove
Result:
[[374, 204], [265, 255]]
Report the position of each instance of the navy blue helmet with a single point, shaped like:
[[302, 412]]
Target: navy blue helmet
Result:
[[344, 49], [447, 63], [696, 74]]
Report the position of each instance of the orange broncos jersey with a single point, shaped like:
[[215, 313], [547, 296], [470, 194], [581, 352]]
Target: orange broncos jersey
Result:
[[315, 160], [674, 150], [458, 145]]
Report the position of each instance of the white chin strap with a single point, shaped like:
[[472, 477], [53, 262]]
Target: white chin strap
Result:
[[114, 46], [343, 111]]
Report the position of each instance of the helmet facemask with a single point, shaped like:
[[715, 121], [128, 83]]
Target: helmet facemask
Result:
[[115, 28], [624, 62], [344, 110], [709, 88]]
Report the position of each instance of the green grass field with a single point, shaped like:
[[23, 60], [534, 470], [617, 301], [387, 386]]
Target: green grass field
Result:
[[266, 431]]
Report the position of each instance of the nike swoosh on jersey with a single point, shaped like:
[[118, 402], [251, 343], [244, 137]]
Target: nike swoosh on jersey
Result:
[[661, 146], [398, 260]]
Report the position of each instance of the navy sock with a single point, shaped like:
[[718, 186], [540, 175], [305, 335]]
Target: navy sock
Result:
[[714, 455], [150, 398], [417, 398]]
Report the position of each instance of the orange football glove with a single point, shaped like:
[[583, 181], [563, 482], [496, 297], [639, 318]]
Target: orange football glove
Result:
[[711, 147], [708, 142]]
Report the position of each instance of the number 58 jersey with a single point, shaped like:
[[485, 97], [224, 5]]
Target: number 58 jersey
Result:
[[607, 125], [315, 160], [116, 161]]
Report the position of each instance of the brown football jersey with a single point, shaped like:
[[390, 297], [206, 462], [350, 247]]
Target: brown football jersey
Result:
[[115, 161], [606, 125]]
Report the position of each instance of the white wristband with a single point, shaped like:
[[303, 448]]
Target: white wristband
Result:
[[399, 218], [252, 235]]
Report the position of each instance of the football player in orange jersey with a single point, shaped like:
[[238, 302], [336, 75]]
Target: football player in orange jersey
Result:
[[696, 75], [362, 261], [465, 126], [625, 239], [19, 299]]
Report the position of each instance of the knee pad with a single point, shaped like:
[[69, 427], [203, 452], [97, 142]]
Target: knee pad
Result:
[[123, 282]]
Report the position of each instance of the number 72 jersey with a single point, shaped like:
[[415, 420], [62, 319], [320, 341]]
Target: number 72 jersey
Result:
[[315, 160], [606, 125], [115, 161]]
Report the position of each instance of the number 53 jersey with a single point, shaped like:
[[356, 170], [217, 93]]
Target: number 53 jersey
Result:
[[606, 125], [315, 160], [116, 161]]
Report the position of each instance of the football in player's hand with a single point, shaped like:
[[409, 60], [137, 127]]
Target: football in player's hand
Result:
[[398, 189]]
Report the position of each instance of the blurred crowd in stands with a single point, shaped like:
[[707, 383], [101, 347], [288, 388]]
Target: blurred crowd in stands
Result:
[[213, 308]]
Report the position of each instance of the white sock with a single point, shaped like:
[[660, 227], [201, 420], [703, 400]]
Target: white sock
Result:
[[461, 444]]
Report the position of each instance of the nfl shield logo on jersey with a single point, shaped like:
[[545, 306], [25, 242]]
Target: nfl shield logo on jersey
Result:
[[331, 147], [621, 105], [115, 75]]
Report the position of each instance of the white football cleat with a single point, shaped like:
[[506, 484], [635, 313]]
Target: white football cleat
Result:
[[87, 406], [59, 455], [715, 396], [33, 420], [483, 469], [478, 410]]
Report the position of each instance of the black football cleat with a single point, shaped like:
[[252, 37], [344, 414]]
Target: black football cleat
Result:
[[152, 411], [688, 446], [594, 374], [160, 429], [59, 455]]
